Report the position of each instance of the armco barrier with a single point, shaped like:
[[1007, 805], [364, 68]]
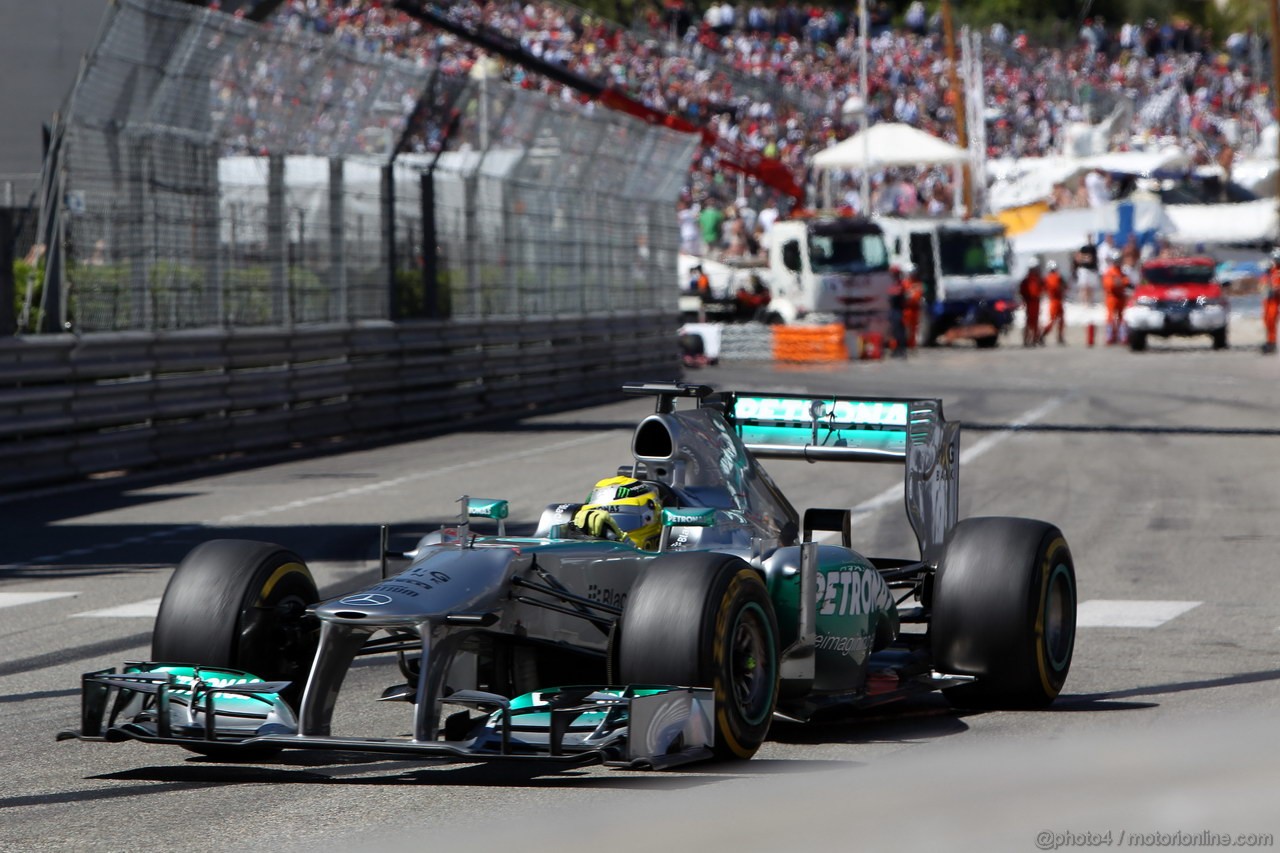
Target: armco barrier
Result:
[[73, 406]]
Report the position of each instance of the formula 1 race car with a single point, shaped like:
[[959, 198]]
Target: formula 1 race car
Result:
[[675, 648]]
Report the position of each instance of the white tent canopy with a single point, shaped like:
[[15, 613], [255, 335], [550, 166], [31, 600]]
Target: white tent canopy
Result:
[[885, 145]]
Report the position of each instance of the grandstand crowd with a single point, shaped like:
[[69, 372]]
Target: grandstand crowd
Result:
[[777, 78]]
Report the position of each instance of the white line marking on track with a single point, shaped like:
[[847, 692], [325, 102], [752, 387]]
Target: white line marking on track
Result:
[[893, 494], [13, 599], [1102, 613], [137, 610]]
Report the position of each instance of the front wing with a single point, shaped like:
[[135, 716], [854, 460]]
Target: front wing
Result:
[[229, 711]]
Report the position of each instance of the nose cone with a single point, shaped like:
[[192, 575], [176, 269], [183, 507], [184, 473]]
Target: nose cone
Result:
[[382, 604], [443, 580]]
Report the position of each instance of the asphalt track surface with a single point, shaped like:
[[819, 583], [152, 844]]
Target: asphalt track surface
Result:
[[1161, 469]]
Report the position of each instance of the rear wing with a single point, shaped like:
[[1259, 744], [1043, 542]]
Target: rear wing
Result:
[[860, 429]]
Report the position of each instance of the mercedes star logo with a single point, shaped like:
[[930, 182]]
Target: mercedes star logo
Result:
[[368, 599]]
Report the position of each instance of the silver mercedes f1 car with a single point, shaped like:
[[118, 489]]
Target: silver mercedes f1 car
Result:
[[587, 643]]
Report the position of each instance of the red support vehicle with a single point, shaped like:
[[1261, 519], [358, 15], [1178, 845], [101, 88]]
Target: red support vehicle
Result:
[[1177, 296]]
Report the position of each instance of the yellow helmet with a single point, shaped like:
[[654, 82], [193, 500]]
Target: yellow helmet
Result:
[[623, 508]]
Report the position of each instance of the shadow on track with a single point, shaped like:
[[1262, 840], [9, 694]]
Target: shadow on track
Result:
[[1090, 701], [1138, 429], [926, 717], [78, 551]]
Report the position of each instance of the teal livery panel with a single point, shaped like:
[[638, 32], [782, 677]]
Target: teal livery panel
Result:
[[855, 612]]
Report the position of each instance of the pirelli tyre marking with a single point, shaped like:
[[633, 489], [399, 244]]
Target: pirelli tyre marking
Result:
[[1054, 631], [745, 665]]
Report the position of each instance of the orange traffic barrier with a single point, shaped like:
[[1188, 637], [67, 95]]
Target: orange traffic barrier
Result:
[[809, 343]]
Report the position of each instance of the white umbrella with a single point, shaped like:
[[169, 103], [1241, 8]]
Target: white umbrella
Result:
[[889, 145]]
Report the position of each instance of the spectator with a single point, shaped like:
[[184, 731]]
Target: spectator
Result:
[[1108, 252], [690, 235], [1097, 189], [1085, 263], [916, 19], [773, 77], [1031, 289], [710, 225]]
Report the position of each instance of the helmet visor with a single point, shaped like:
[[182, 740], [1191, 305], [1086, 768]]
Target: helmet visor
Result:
[[629, 518], [611, 493]]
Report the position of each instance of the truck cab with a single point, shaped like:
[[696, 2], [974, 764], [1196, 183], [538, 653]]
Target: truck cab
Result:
[[830, 265], [965, 267]]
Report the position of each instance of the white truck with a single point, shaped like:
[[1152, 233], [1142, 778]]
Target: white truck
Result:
[[965, 266], [832, 265], [826, 268]]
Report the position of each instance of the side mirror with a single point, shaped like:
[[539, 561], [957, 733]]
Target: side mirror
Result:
[[498, 510], [701, 517]]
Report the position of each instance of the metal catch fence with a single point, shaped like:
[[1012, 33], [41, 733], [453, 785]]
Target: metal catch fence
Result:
[[211, 172]]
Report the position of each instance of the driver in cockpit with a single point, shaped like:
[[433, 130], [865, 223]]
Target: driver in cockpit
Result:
[[623, 508]]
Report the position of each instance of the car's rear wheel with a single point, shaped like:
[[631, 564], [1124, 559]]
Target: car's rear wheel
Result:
[[1004, 610], [987, 341], [240, 604], [706, 620], [1220, 338], [1137, 341]]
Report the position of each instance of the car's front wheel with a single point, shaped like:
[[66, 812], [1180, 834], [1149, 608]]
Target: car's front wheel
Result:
[[240, 604], [1220, 338], [706, 620]]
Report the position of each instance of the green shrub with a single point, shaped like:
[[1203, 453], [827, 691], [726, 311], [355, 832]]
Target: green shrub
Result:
[[411, 297], [28, 277], [246, 296], [98, 296]]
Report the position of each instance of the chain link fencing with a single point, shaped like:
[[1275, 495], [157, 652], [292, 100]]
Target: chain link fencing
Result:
[[211, 172], [542, 208]]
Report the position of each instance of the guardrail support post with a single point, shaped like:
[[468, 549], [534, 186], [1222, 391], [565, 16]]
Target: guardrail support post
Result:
[[431, 306], [278, 240], [388, 199], [8, 320], [338, 242]]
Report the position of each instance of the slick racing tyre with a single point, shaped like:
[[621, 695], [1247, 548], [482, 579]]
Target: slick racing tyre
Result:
[[1004, 610], [240, 604], [706, 620]]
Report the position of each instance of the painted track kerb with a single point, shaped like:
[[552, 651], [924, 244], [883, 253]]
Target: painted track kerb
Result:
[[242, 517]]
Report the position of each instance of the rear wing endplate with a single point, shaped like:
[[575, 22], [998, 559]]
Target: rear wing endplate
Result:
[[861, 429]]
